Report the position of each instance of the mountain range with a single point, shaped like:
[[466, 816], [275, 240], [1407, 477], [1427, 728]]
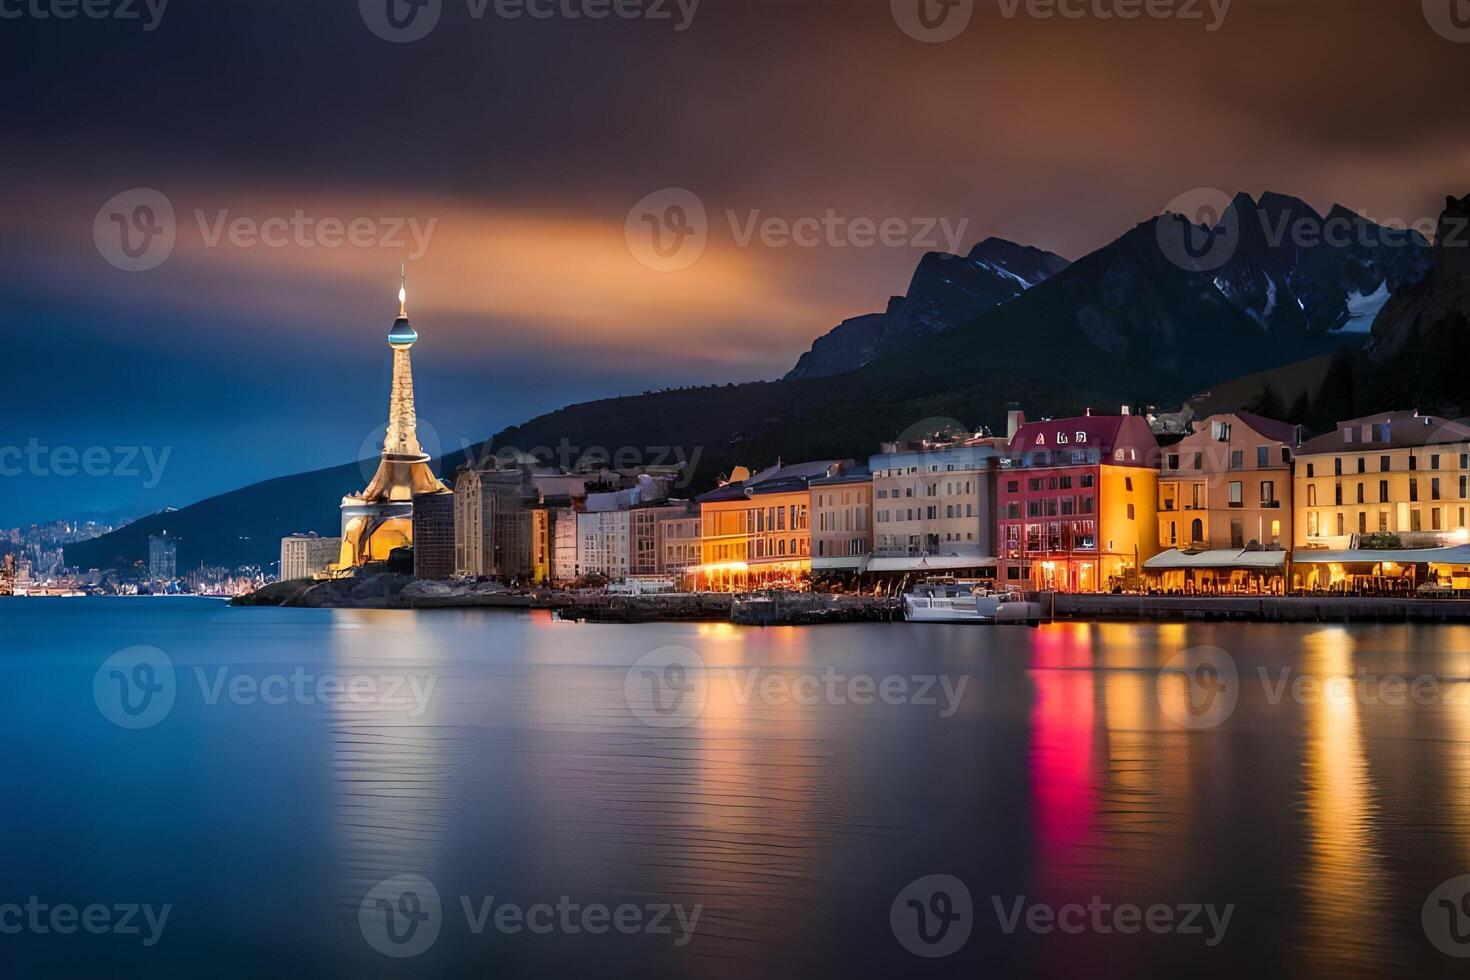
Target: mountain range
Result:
[[1140, 321]]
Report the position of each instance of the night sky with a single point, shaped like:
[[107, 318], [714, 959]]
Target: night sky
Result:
[[524, 143]]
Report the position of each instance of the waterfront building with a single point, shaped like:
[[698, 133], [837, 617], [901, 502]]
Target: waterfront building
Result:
[[492, 523], [306, 555], [1391, 480], [679, 542], [934, 505], [162, 558], [842, 522], [542, 531], [1224, 506], [433, 535], [1076, 503], [1228, 483], [603, 543], [756, 530], [380, 518], [563, 544], [646, 529]]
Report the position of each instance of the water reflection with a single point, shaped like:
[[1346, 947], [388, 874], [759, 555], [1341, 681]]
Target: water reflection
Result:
[[1063, 774], [1343, 863]]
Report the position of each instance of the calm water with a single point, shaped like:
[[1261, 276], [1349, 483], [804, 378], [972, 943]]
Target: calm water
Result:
[[1062, 771]]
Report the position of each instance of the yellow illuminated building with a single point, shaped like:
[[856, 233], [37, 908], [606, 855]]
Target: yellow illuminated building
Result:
[[1397, 473], [380, 518], [757, 531]]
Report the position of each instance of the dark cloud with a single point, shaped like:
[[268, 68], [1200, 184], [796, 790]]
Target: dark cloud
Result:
[[530, 140]]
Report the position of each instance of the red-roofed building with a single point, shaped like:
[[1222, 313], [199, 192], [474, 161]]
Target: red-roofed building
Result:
[[1076, 503]]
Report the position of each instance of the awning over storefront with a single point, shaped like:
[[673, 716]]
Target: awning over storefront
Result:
[[1174, 559], [1454, 555], [857, 563], [930, 563]]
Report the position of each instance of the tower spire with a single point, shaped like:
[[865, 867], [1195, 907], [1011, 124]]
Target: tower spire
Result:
[[402, 289]]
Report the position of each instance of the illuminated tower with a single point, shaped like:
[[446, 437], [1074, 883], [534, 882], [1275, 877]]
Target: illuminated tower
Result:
[[380, 518]]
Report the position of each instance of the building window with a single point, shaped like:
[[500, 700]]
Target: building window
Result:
[[1172, 461], [1130, 512], [1434, 488], [1220, 431], [1413, 488], [1128, 483], [1362, 522], [1413, 462], [1360, 491], [1311, 495], [1268, 493], [1237, 533], [1263, 455], [1310, 469], [1085, 480], [1362, 464], [1384, 464], [1196, 530], [1383, 491], [1434, 461], [1337, 466]]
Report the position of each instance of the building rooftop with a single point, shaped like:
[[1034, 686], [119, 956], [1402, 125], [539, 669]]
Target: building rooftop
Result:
[[1387, 430]]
